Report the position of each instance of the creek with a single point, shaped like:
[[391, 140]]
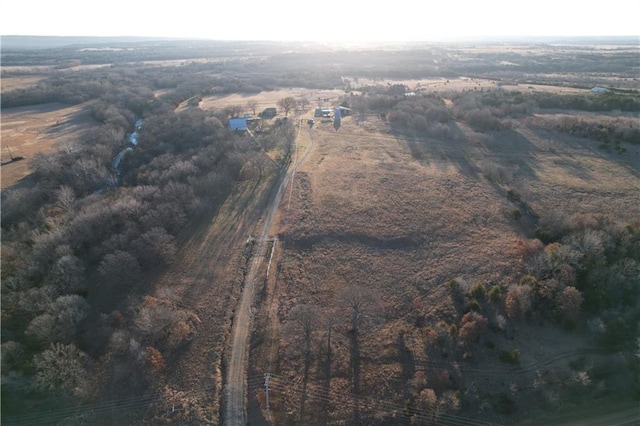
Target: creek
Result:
[[133, 140]]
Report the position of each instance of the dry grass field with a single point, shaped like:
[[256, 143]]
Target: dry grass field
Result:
[[27, 131], [401, 216], [12, 83], [270, 99]]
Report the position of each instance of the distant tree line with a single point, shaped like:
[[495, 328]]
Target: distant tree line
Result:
[[485, 111], [590, 102]]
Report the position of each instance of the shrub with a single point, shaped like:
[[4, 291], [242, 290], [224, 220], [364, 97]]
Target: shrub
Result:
[[449, 402], [482, 120], [478, 291], [528, 280], [505, 405], [454, 287], [518, 301], [155, 360], [472, 326], [495, 294], [511, 356]]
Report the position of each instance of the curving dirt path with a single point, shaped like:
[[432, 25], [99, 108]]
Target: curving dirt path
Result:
[[235, 395]]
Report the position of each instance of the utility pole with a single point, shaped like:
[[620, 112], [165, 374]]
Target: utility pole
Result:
[[267, 377]]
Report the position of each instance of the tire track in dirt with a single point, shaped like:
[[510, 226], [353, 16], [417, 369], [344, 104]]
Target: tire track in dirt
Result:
[[235, 395], [203, 279]]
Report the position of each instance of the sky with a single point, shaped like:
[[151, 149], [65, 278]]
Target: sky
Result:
[[348, 20]]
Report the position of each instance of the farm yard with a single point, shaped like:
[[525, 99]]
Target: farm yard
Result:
[[463, 247]]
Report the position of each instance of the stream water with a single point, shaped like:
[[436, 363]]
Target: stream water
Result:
[[133, 140]]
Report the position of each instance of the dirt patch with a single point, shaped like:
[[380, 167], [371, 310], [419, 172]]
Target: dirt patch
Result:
[[27, 131]]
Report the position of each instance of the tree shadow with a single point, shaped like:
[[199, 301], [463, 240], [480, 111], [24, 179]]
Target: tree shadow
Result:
[[438, 151], [406, 358], [354, 351]]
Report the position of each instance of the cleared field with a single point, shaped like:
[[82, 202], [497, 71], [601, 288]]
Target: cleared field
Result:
[[12, 83], [396, 218], [270, 99], [27, 131]]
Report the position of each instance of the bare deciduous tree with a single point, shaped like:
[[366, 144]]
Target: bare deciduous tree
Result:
[[68, 274], [359, 300], [233, 110], [62, 368], [287, 104], [252, 106], [518, 301], [66, 198], [119, 269], [59, 323], [304, 103], [568, 303]]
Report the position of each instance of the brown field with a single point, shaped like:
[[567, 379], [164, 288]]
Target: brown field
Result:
[[27, 131], [401, 216], [270, 99], [13, 83]]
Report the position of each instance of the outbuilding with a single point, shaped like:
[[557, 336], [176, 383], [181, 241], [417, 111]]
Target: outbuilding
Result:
[[238, 124], [323, 112], [344, 111]]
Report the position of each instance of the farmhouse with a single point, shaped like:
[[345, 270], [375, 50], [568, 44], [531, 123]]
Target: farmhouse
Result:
[[269, 113]]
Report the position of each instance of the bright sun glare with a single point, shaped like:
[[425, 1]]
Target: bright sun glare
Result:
[[353, 20]]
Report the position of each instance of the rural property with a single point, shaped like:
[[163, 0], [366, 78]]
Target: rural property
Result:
[[263, 233]]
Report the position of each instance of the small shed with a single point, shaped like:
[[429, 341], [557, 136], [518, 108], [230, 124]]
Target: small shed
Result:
[[323, 112]]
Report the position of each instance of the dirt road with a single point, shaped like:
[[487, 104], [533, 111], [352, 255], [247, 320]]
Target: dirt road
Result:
[[235, 394]]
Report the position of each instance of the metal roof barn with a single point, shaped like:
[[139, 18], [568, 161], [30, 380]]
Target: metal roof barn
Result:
[[238, 123]]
